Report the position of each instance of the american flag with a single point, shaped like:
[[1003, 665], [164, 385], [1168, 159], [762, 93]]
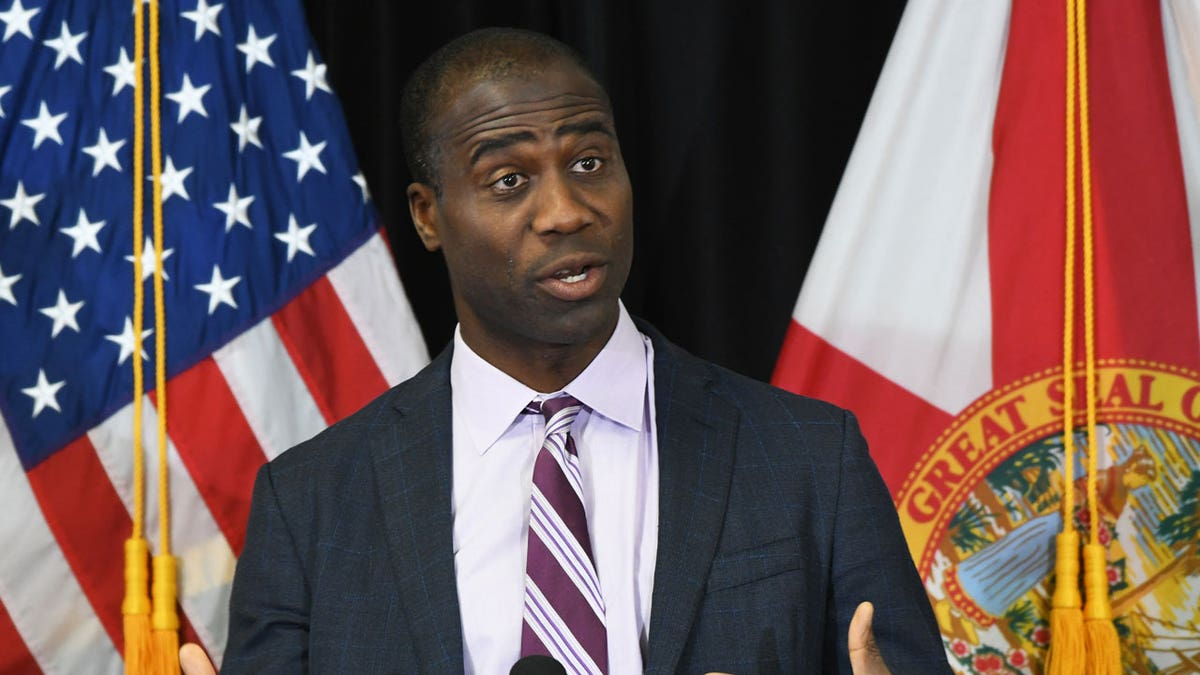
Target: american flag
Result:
[[284, 311]]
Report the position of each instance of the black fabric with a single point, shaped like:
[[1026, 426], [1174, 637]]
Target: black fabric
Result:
[[736, 119]]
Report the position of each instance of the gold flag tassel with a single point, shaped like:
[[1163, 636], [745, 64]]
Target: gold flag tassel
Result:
[[165, 619], [151, 628], [1103, 645], [135, 609], [1066, 653]]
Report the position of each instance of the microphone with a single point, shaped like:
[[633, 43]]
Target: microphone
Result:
[[537, 664]]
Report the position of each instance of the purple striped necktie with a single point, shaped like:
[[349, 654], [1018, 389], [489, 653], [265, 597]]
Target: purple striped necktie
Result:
[[564, 609]]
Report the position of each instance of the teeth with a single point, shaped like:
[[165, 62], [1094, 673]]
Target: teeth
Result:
[[567, 277]]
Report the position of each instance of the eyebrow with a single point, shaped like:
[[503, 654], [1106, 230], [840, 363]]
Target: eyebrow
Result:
[[503, 141], [497, 143], [584, 128]]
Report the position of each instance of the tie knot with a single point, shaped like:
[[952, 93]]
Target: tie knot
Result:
[[565, 407]]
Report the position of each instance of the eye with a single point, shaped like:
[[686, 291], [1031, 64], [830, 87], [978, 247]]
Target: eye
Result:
[[509, 181], [588, 165]]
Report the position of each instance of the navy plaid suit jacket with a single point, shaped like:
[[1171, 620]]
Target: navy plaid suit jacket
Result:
[[773, 525]]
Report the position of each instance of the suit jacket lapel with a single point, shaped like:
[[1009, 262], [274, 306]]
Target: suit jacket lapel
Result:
[[412, 462], [696, 433], [412, 465]]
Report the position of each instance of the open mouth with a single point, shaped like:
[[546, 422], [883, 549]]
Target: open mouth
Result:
[[576, 280], [572, 276]]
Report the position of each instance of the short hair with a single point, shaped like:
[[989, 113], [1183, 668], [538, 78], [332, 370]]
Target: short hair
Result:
[[484, 54]]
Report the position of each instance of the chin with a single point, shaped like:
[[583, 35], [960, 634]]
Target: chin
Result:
[[580, 325]]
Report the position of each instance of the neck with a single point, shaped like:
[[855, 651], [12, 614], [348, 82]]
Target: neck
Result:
[[544, 368]]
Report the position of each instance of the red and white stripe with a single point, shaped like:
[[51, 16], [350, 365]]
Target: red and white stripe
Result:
[[331, 349], [1181, 34], [939, 273]]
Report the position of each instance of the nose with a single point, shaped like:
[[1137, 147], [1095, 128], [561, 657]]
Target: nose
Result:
[[560, 206]]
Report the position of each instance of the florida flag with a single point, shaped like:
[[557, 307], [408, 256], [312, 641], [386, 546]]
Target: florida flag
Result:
[[284, 312], [934, 309]]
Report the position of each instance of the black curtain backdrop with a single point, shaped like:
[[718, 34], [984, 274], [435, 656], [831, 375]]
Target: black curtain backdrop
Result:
[[735, 118]]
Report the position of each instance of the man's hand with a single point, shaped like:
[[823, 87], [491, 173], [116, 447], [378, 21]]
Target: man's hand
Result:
[[865, 658], [193, 661]]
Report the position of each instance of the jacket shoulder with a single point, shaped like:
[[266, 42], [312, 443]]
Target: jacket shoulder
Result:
[[754, 400], [761, 400]]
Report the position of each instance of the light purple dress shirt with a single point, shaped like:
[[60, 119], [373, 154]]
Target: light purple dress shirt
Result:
[[494, 449]]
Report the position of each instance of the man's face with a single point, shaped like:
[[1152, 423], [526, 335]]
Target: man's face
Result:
[[535, 212]]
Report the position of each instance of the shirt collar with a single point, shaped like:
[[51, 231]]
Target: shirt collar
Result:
[[613, 385]]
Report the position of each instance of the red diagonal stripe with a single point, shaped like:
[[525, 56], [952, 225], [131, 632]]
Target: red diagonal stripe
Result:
[[1145, 278], [1026, 220], [216, 445], [1146, 306], [14, 655], [898, 425], [328, 351], [90, 523]]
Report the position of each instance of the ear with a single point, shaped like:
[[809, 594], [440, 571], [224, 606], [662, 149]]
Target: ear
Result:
[[423, 207]]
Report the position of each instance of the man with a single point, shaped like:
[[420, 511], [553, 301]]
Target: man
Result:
[[684, 518]]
